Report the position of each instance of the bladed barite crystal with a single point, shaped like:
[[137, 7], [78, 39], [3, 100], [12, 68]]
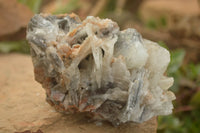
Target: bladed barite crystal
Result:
[[92, 66]]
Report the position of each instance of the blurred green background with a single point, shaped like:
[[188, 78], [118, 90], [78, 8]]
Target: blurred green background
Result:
[[164, 21]]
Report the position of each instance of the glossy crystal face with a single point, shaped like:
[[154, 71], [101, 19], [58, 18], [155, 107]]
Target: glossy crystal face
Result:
[[92, 66]]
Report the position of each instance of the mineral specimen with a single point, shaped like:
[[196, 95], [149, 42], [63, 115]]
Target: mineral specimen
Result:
[[93, 67]]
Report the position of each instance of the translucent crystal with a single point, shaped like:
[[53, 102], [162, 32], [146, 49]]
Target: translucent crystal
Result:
[[93, 67]]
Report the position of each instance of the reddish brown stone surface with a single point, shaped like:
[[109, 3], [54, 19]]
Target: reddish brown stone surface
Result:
[[23, 108], [14, 18]]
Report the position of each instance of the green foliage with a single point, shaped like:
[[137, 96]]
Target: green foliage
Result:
[[14, 46], [157, 23], [182, 122], [162, 44], [193, 72], [195, 101], [173, 70], [169, 124], [177, 57], [163, 21], [70, 6], [152, 24], [185, 123], [34, 5], [110, 7]]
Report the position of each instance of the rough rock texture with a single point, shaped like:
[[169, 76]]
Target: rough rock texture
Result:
[[23, 106], [92, 66]]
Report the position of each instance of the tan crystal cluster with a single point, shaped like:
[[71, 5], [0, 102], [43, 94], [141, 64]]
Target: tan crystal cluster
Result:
[[92, 66]]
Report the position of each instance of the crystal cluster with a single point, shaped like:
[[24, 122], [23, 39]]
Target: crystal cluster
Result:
[[92, 66]]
